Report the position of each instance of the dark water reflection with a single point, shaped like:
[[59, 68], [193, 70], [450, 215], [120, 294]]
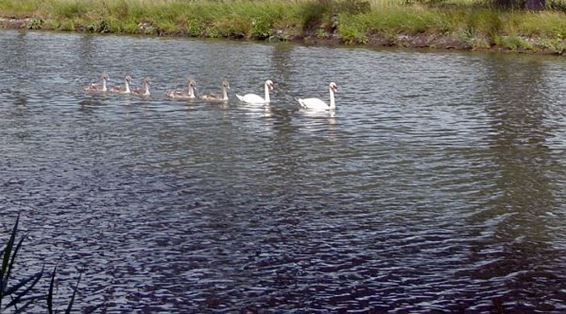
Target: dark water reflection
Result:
[[439, 184]]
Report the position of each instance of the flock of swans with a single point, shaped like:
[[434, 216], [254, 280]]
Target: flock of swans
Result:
[[189, 93]]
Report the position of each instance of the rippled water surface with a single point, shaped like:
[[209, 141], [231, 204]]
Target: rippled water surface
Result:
[[438, 184]]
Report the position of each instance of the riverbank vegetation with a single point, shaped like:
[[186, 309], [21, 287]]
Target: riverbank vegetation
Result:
[[460, 24], [20, 292]]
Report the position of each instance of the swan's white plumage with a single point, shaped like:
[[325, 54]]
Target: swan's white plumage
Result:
[[318, 104], [251, 99], [314, 104], [256, 99]]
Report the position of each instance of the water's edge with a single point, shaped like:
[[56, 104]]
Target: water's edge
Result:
[[327, 38]]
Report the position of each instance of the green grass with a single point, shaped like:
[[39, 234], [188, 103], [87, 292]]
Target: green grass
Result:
[[475, 23]]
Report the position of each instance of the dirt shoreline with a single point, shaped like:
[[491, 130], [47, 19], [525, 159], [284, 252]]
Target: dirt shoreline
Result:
[[419, 41], [14, 23]]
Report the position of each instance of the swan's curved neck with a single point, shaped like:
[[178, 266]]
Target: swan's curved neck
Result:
[[332, 102], [146, 86], [267, 93], [104, 88], [191, 91], [224, 93], [127, 87]]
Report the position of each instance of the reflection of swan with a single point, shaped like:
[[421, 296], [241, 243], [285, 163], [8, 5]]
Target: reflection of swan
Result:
[[181, 94], [144, 92], [217, 98], [126, 90], [317, 104], [97, 88], [256, 99]]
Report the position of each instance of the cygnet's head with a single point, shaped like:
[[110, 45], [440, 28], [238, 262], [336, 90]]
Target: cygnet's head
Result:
[[225, 84]]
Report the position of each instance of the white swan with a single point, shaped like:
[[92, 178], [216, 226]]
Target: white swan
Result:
[[143, 92], [126, 90], [217, 98], [181, 94], [256, 99], [98, 88], [317, 104]]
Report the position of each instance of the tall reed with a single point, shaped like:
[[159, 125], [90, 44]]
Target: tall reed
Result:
[[21, 293]]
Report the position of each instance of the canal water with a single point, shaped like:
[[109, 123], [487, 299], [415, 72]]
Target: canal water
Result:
[[439, 182]]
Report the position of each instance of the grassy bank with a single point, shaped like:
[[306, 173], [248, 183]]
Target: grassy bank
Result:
[[462, 24]]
